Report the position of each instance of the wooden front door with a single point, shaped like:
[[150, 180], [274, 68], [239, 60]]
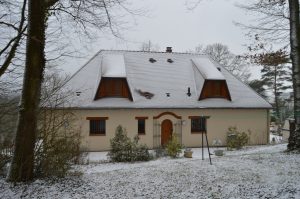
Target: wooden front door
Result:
[[166, 131]]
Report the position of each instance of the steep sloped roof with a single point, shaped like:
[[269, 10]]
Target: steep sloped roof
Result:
[[160, 77]]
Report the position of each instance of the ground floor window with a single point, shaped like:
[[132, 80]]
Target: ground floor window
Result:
[[97, 125], [198, 124], [141, 123]]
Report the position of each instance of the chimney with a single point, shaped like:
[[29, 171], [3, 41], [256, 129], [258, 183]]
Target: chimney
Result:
[[169, 49]]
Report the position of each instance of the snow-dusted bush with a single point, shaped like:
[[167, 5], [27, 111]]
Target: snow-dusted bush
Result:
[[58, 144], [173, 147], [125, 150], [6, 150], [236, 139]]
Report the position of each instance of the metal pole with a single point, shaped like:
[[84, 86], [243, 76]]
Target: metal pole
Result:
[[208, 148], [202, 148]]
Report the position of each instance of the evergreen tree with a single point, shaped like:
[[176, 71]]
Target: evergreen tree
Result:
[[125, 150], [276, 75]]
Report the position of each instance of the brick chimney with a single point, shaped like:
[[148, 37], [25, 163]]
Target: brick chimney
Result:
[[169, 49]]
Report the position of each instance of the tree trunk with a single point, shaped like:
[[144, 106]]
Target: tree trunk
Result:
[[23, 160], [276, 97], [294, 139]]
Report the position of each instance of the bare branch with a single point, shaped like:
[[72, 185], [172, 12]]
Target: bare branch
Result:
[[15, 45]]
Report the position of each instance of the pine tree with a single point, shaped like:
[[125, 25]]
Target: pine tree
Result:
[[276, 75]]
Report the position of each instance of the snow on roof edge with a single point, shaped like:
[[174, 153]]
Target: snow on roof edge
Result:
[[84, 65]]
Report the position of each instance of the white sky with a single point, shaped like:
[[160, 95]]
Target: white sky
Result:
[[170, 23]]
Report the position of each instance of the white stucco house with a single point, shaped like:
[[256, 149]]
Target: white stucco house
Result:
[[157, 94]]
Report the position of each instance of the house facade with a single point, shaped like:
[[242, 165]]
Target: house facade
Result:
[[157, 94]]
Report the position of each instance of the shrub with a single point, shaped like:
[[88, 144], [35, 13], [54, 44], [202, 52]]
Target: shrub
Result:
[[6, 151], [236, 139], [58, 145], [55, 157], [173, 147], [125, 150]]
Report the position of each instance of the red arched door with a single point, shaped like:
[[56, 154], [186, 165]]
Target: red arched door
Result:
[[166, 131]]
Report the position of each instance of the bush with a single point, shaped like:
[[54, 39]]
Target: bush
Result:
[[6, 151], [236, 139], [125, 150], [173, 147], [58, 145], [55, 157]]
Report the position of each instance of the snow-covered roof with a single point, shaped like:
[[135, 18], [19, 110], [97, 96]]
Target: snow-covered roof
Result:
[[113, 65], [207, 69], [159, 78]]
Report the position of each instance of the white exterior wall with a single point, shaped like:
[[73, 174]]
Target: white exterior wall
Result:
[[255, 120]]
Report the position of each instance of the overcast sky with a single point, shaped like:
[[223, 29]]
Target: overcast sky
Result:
[[171, 23]]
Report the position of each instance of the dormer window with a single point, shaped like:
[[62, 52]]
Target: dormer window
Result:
[[215, 85], [113, 81], [215, 89], [113, 87]]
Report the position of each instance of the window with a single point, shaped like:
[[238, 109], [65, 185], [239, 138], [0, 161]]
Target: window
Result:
[[215, 89], [113, 87], [198, 124], [141, 125], [97, 125]]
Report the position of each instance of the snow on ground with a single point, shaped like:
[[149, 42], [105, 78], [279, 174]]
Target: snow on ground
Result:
[[254, 172]]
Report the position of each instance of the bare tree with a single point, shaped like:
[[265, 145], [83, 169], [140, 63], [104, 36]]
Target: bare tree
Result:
[[58, 134], [271, 24], [86, 14], [11, 21], [149, 46]]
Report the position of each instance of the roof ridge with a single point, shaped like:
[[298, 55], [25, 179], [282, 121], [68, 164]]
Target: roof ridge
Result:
[[161, 52]]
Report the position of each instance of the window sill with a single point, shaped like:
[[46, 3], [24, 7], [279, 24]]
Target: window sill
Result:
[[141, 133], [97, 134], [197, 132]]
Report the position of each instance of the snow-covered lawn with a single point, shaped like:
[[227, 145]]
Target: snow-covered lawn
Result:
[[254, 172]]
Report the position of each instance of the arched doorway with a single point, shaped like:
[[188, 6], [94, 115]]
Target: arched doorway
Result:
[[166, 131]]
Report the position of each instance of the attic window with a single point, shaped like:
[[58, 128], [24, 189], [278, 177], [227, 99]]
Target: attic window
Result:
[[152, 60], [170, 60], [215, 89], [113, 87]]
